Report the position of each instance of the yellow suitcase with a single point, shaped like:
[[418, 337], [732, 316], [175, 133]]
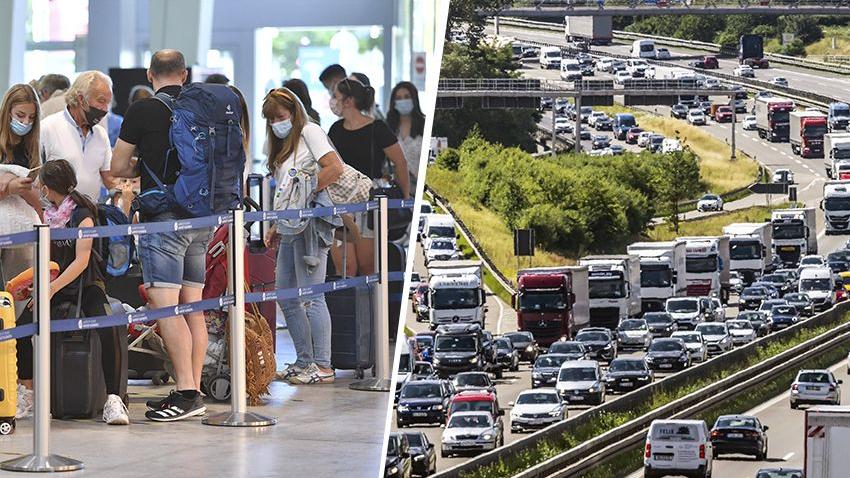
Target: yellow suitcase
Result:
[[8, 367]]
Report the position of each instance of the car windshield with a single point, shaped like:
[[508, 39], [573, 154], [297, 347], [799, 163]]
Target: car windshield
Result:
[[464, 343], [471, 380], [656, 139], [665, 346], [469, 421], [811, 260], [813, 377], [816, 284], [701, 264], [626, 121], [682, 305], [591, 337], [566, 348], [710, 329], [415, 439], [455, 298], [575, 374], [632, 325], [518, 338], [423, 369], [837, 203], [392, 446], [783, 310], [530, 301], [441, 231], [779, 474], [472, 406], [690, 338], [751, 316], [735, 423], [754, 292], [709, 197], [442, 245], [404, 363], [608, 288], [421, 390], [553, 54], [675, 432], [775, 278], [796, 298], [537, 398], [789, 231], [503, 344], [424, 340], [742, 250], [739, 325], [815, 131], [550, 361], [625, 365]]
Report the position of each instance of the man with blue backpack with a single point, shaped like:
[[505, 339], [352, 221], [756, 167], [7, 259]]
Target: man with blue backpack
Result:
[[189, 144]]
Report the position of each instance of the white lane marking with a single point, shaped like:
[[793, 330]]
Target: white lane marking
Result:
[[501, 314], [774, 148], [788, 456], [811, 184], [821, 235]]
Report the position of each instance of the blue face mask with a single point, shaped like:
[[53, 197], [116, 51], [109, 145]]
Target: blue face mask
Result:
[[19, 128], [281, 129], [404, 106]]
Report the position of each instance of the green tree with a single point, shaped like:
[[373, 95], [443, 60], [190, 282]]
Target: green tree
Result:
[[464, 17], [676, 179], [806, 29], [449, 159], [698, 27]]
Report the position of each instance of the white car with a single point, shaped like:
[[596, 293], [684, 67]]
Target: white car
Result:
[[696, 116], [779, 81], [678, 447], [783, 175], [601, 152], [711, 83], [537, 409], [563, 125], [662, 54], [643, 138], [717, 338], [710, 202], [749, 123], [694, 342], [719, 310], [486, 435], [670, 145], [742, 331], [441, 249], [811, 260], [621, 76], [580, 381], [595, 115], [744, 71], [604, 63]]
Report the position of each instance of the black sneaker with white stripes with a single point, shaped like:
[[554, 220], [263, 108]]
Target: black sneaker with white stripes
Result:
[[178, 407], [158, 404]]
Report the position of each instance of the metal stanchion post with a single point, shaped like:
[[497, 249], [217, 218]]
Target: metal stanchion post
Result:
[[238, 416], [381, 311], [41, 460]]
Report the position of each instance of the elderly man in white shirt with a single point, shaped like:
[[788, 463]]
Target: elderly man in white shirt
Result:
[[76, 136]]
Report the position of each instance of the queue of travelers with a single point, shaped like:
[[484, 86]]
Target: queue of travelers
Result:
[[63, 151]]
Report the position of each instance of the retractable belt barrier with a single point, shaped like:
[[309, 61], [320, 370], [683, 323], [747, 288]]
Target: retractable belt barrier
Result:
[[235, 299]]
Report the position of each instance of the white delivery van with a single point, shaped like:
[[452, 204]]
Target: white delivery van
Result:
[[819, 284], [643, 49], [678, 447], [439, 225]]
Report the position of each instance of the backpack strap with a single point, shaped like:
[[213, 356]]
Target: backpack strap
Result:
[[165, 99]]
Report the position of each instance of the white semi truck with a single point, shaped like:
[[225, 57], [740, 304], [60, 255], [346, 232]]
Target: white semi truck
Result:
[[827, 433], [836, 207], [595, 30], [455, 293], [794, 234], [662, 272], [836, 149], [750, 249], [707, 266], [614, 288]]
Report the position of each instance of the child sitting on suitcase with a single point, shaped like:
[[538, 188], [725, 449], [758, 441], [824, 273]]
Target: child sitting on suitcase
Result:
[[80, 266]]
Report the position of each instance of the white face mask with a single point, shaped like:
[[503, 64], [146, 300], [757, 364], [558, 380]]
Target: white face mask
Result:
[[404, 106], [335, 106], [281, 129]]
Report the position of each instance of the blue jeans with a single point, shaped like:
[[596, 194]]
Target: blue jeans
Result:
[[174, 259], [307, 317]]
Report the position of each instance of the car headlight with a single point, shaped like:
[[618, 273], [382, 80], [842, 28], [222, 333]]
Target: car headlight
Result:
[[402, 408], [437, 407], [536, 375], [683, 358], [473, 360], [555, 413], [393, 470], [436, 361], [643, 378], [487, 436], [608, 347], [649, 358], [530, 348], [793, 319], [725, 339]]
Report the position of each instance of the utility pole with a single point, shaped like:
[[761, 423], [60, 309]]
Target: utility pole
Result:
[[577, 131], [554, 133], [734, 117]]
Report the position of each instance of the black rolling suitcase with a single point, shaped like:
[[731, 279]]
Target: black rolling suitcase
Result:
[[351, 328], [77, 385], [397, 261]]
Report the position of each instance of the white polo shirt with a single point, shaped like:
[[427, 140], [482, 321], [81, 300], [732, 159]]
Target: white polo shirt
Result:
[[61, 138]]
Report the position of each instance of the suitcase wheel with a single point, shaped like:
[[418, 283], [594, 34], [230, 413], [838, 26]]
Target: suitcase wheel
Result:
[[7, 426], [159, 378], [359, 373], [219, 387]]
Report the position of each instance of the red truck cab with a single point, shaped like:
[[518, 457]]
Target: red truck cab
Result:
[[811, 142], [546, 302]]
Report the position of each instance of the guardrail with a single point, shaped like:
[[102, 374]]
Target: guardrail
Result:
[[632, 400]]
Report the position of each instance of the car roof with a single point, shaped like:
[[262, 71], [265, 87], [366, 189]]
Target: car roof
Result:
[[472, 395], [580, 364], [538, 390]]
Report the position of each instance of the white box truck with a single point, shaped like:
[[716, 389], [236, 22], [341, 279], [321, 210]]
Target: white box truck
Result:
[[750, 249], [827, 433], [662, 272], [707, 266], [836, 207], [595, 30], [794, 234], [456, 293], [614, 288], [836, 148]]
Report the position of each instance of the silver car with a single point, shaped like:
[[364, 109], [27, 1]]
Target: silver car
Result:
[[470, 432], [717, 338], [695, 344], [815, 386], [634, 333], [742, 331]]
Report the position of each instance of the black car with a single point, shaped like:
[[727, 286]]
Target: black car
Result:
[[783, 316], [780, 281], [599, 342], [752, 297], [600, 142], [423, 401], [546, 103], [661, 324], [584, 134], [802, 302], [398, 463], [458, 348], [587, 69], [524, 344], [742, 434], [604, 124], [627, 374], [668, 354], [574, 350], [476, 381], [679, 111], [758, 320], [779, 473], [838, 265], [506, 356], [544, 372], [422, 454]]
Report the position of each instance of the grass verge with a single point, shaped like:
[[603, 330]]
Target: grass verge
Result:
[[546, 449], [712, 225], [824, 45]]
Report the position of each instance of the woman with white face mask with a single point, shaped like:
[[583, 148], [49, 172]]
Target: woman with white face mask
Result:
[[406, 120], [303, 162], [20, 206]]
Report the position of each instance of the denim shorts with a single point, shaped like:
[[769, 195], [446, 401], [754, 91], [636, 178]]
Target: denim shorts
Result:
[[174, 259]]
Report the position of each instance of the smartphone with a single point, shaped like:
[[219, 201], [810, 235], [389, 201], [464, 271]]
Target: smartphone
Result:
[[256, 200], [33, 170]]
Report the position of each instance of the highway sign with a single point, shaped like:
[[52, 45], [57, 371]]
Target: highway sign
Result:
[[769, 188]]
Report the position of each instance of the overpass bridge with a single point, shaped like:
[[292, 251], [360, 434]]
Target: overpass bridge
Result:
[[547, 9]]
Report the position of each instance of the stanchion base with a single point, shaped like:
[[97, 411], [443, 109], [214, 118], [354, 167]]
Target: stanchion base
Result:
[[239, 419], [372, 385], [35, 463]]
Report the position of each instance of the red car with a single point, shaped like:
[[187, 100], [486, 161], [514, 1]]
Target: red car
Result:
[[632, 135], [710, 63], [723, 114]]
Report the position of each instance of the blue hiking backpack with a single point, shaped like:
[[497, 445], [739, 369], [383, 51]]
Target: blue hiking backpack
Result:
[[116, 252], [206, 135]]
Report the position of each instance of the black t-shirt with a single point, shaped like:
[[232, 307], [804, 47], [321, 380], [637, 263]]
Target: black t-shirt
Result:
[[146, 125], [64, 252], [354, 146], [19, 156]]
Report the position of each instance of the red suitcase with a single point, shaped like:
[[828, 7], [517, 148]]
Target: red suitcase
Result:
[[261, 277]]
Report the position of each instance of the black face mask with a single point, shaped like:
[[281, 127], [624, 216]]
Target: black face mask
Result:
[[94, 115]]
